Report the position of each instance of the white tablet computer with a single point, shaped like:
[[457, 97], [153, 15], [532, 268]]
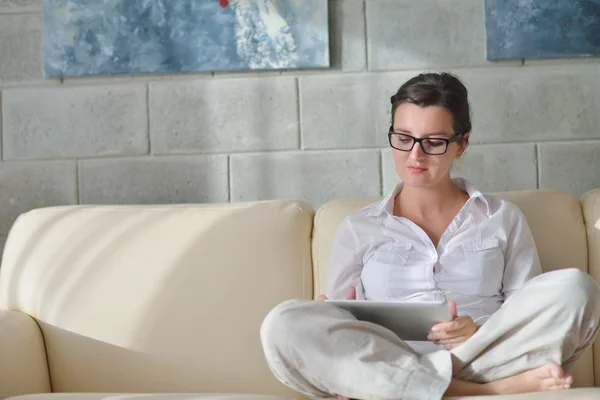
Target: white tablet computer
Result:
[[408, 320]]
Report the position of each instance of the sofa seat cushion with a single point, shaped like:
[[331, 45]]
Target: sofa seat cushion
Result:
[[573, 394], [148, 396]]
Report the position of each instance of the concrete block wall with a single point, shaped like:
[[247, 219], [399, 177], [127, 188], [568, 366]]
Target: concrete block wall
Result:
[[313, 135]]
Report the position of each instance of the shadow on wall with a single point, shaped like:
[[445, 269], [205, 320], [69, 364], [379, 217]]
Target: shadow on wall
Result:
[[156, 299]]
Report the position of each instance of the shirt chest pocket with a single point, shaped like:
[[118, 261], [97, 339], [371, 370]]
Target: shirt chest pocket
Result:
[[392, 253], [486, 259], [389, 274]]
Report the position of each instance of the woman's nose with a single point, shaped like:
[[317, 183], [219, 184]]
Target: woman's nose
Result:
[[417, 151]]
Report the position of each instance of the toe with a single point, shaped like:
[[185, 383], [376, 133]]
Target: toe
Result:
[[554, 370], [546, 384], [556, 388]]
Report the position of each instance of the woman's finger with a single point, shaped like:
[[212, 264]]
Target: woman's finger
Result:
[[466, 330], [454, 340], [351, 293], [446, 334], [449, 326], [452, 346], [452, 308]]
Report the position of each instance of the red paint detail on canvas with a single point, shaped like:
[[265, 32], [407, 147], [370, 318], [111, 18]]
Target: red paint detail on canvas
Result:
[[224, 3]]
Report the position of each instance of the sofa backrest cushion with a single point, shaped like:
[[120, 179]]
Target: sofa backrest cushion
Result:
[[158, 298], [555, 219]]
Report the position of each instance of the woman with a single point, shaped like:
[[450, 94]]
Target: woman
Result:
[[515, 330]]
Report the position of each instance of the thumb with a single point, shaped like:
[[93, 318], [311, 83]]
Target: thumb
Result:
[[452, 307], [351, 293]]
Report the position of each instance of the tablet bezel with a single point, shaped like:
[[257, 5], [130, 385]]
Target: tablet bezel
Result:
[[409, 320]]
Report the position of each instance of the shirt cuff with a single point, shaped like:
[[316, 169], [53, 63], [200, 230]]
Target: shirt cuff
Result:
[[482, 320]]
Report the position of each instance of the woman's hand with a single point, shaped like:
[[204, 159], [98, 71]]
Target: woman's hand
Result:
[[453, 333], [350, 294]]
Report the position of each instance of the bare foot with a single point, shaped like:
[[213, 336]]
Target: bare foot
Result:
[[548, 377]]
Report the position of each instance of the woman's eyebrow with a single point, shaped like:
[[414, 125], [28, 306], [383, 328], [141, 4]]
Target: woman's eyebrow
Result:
[[400, 130]]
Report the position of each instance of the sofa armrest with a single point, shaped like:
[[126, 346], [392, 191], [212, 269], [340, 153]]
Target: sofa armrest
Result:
[[23, 364], [590, 204]]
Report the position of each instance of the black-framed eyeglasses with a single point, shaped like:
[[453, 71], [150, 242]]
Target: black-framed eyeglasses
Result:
[[431, 146]]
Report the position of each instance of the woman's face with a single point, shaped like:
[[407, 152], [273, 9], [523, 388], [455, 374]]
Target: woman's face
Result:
[[415, 167]]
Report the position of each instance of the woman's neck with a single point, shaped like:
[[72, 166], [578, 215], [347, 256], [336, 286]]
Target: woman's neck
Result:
[[429, 201]]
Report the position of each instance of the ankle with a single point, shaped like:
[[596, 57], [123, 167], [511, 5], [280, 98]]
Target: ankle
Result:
[[494, 388], [459, 388]]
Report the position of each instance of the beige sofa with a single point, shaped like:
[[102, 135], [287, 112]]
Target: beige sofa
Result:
[[160, 299]]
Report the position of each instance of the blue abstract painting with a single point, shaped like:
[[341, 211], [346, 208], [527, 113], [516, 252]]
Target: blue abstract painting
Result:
[[542, 28], [99, 37]]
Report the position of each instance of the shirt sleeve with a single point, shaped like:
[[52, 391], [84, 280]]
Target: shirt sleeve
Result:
[[345, 264], [521, 257]]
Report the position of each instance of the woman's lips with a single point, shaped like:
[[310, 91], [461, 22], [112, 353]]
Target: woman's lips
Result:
[[417, 170]]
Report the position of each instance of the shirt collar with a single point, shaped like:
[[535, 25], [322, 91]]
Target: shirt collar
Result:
[[387, 204]]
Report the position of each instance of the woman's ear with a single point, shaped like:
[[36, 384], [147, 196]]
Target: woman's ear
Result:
[[464, 143]]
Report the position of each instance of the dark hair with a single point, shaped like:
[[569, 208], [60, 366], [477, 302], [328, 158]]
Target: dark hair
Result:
[[432, 89]]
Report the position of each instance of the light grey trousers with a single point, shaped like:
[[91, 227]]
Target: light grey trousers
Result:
[[321, 351]]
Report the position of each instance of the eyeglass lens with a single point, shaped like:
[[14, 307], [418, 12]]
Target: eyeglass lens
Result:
[[429, 146]]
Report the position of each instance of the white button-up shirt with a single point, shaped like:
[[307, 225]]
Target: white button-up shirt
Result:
[[484, 256]]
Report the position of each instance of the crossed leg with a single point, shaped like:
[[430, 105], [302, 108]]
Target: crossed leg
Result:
[[540, 332], [322, 351]]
